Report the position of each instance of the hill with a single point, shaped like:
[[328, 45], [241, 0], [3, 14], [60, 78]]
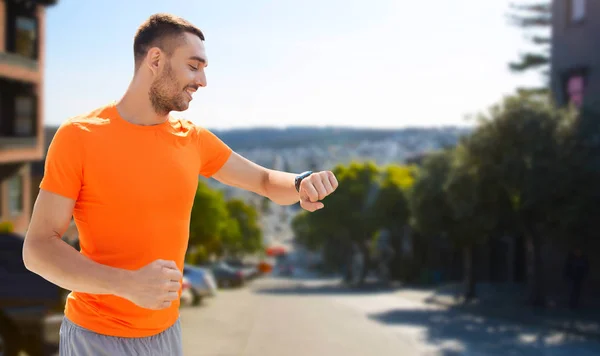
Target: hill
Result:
[[245, 139]]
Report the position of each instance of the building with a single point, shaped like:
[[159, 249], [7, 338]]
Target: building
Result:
[[575, 55], [575, 78], [22, 39]]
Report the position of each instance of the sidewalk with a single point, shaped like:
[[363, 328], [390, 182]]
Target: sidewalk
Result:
[[507, 303]]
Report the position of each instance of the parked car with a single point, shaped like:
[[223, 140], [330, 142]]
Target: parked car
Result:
[[285, 269], [30, 306], [248, 270], [202, 282], [226, 276], [187, 297]]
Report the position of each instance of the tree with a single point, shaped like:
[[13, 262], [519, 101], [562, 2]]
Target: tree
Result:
[[431, 214], [305, 233], [206, 221], [246, 219], [391, 207], [536, 16], [347, 221], [265, 205], [430, 211], [474, 206], [449, 199], [231, 240], [517, 151], [391, 215], [218, 227]]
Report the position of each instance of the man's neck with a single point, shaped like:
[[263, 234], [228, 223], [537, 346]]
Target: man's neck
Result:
[[136, 108]]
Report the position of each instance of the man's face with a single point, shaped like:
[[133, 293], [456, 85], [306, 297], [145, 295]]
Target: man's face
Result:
[[180, 76]]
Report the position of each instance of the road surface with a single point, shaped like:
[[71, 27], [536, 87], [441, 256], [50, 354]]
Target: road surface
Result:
[[279, 317]]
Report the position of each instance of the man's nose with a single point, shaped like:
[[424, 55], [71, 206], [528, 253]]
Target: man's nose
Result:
[[201, 79]]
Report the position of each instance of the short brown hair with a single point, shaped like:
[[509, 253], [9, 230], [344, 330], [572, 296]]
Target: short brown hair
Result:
[[161, 30]]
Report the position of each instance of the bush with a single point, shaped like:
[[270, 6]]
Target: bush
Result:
[[7, 227], [197, 255]]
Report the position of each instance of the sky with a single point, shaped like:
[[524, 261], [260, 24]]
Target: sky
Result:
[[281, 63]]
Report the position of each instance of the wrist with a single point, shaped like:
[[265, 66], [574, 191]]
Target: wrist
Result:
[[119, 282]]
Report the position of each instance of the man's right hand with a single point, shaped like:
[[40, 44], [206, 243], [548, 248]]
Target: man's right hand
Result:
[[154, 286]]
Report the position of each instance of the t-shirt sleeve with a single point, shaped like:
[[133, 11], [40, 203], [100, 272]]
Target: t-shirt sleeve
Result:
[[63, 169], [213, 152]]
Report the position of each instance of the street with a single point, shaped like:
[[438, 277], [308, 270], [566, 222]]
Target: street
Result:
[[287, 317]]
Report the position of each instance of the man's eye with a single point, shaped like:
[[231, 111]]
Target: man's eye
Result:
[[193, 68]]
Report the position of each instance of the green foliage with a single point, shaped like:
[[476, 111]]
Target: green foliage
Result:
[[347, 213], [368, 199], [536, 17], [580, 159], [245, 217], [7, 227], [209, 213], [218, 227], [391, 208], [265, 205], [231, 237], [196, 255], [305, 232], [513, 174], [430, 211], [518, 150]]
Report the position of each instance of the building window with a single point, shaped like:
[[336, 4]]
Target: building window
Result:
[[15, 194], [577, 10], [26, 36], [22, 35], [24, 116], [575, 89]]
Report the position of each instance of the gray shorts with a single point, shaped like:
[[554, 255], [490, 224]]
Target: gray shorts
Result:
[[77, 341]]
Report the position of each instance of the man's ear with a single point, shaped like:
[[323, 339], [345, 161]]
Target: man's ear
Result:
[[154, 59]]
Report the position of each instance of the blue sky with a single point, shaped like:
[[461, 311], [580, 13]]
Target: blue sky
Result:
[[376, 63]]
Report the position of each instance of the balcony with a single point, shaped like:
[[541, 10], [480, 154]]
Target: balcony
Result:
[[16, 60], [7, 142], [22, 36]]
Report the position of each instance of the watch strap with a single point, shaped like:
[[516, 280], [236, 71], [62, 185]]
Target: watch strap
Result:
[[299, 179]]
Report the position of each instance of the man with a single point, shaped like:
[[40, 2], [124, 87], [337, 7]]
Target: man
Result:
[[127, 173]]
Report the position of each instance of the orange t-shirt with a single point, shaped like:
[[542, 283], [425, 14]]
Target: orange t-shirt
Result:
[[134, 188]]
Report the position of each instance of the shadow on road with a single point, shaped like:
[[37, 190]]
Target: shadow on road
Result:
[[451, 329], [481, 336], [321, 287]]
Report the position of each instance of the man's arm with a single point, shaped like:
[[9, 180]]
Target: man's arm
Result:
[[153, 286], [277, 186], [46, 254], [242, 173]]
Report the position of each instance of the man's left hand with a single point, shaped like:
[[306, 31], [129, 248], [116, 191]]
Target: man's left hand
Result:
[[315, 188]]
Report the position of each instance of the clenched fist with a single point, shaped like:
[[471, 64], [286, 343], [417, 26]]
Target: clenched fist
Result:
[[315, 188], [154, 286]]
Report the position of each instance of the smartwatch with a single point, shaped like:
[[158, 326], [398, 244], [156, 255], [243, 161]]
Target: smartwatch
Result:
[[299, 179]]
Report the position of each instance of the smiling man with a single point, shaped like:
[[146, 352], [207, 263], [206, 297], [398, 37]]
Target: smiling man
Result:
[[127, 173]]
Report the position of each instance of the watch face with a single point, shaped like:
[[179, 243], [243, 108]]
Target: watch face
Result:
[[299, 178]]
